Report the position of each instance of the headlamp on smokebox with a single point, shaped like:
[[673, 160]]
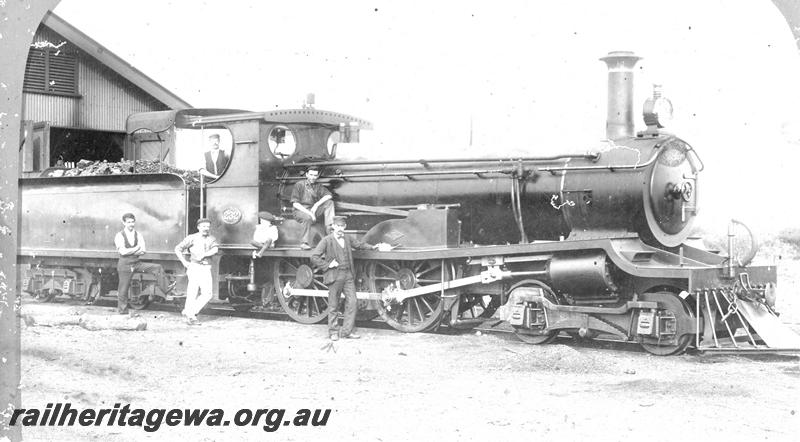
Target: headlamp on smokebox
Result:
[[657, 111]]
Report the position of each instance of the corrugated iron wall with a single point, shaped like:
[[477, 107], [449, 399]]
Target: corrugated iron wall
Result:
[[106, 98], [59, 111]]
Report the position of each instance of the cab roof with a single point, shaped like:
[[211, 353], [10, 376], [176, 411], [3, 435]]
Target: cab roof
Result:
[[188, 118]]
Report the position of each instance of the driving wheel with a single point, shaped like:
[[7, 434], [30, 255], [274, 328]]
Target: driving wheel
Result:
[[297, 273], [419, 313]]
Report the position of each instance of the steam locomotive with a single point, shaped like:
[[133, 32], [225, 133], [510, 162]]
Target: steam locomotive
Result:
[[592, 245]]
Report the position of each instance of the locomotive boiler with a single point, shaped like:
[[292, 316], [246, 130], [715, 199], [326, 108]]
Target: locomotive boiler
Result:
[[590, 245]]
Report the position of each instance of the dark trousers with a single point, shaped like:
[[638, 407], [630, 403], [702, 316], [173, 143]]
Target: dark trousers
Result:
[[326, 210], [126, 272], [344, 282]]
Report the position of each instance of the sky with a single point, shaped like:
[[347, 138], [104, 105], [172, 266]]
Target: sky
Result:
[[469, 78]]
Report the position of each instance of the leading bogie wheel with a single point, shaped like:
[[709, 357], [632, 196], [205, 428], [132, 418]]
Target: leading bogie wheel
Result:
[[297, 273], [416, 314], [536, 337], [672, 307]]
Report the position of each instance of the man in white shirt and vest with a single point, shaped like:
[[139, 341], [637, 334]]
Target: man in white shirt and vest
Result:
[[130, 245], [200, 247]]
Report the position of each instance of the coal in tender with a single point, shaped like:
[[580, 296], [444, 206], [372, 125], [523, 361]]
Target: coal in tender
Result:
[[125, 167]]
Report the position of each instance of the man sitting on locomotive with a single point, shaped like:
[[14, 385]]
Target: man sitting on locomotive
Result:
[[265, 235], [130, 245], [311, 199]]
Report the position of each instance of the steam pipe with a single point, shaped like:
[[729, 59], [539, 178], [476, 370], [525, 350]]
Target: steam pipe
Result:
[[619, 122]]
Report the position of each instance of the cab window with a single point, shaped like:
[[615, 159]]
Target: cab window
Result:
[[208, 150], [281, 142]]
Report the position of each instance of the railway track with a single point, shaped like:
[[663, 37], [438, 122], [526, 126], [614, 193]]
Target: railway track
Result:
[[493, 327]]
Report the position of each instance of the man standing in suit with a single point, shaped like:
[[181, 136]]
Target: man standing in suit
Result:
[[216, 159], [334, 256]]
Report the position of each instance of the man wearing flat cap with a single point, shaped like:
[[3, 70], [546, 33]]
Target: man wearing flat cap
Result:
[[216, 159], [265, 235], [200, 247], [310, 200], [334, 256]]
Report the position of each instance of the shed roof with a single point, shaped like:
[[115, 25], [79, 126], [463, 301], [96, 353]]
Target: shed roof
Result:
[[112, 61]]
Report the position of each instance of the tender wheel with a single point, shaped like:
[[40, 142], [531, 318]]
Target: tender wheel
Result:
[[416, 314], [297, 273], [674, 308], [46, 295], [138, 296], [138, 302], [536, 337]]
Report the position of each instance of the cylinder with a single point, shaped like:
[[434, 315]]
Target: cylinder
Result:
[[619, 122], [584, 274]]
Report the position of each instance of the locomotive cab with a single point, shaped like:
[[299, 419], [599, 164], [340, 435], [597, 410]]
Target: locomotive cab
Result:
[[260, 147]]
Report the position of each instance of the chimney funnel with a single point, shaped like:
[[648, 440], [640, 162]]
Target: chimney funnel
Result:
[[619, 122]]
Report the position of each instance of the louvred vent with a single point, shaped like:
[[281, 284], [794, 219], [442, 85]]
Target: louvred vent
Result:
[[51, 71]]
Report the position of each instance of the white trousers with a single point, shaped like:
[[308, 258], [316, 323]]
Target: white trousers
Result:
[[199, 278]]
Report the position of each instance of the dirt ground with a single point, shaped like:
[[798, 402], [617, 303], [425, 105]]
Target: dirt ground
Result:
[[390, 386]]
